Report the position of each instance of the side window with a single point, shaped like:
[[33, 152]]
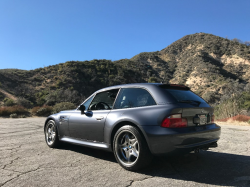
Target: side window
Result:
[[87, 103], [133, 97], [104, 100]]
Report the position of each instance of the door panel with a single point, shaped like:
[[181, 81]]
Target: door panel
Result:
[[88, 126]]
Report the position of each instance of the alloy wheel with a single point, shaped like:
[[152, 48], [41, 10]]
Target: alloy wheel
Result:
[[50, 133], [127, 148]]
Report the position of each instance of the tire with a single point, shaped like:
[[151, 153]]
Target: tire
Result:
[[51, 135], [130, 149]]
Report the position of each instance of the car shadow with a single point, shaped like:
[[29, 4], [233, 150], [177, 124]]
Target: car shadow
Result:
[[207, 167], [101, 154]]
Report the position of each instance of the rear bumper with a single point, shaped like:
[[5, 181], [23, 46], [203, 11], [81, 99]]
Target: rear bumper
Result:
[[182, 140]]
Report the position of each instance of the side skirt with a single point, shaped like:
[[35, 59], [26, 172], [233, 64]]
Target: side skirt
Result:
[[98, 145]]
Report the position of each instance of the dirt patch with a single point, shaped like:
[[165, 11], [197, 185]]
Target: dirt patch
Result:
[[195, 81], [234, 59], [8, 95]]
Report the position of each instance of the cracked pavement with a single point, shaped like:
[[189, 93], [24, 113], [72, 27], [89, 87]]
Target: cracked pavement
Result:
[[26, 160]]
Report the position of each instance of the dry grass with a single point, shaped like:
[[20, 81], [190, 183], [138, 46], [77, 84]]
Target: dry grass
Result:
[[42, 111], [240, 120], [7, 110], [231, 122]]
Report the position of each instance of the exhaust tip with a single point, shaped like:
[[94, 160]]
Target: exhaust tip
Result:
[[213, 144]]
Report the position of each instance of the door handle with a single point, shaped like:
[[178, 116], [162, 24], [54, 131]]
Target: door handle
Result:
[[99, 118]]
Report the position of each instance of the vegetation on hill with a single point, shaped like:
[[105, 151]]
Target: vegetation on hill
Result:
[[215, 68]]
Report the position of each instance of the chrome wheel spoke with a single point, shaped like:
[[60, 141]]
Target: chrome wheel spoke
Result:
[[127, 155], [122, 145], [134, 152], [133, 141], [135, 145], [53, 135]]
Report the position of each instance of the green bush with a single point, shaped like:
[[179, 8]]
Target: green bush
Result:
[[9, 102], [42, 111], [13, 115], [152, 79], [24, 102], [63, 106], [7, 111]]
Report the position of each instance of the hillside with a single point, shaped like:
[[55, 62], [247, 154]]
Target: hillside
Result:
[[212, 66]]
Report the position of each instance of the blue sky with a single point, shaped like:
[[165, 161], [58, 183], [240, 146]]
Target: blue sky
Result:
[[35, 34]]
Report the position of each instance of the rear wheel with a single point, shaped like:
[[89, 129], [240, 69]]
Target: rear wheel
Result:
[[51, 135], [130, 149]]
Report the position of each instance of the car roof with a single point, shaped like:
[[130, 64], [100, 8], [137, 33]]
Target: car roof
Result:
[[145, 85], [132, 85], [154, 89]]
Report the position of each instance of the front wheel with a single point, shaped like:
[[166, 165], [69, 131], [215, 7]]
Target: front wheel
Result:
[[51, 135], [130, 149]]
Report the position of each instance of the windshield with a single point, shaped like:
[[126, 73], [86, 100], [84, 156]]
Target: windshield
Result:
[[185, 95]]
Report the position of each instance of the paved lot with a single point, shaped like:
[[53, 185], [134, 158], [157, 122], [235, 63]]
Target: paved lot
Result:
[[25, 160]]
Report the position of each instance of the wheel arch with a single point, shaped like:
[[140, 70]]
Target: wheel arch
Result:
[[123, 123]]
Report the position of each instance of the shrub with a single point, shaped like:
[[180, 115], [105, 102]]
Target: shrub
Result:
[[13, 115], [24, 102], [63, 106], [23, 116], [9, 102], [42, 111], [7, 111], [35, 109], [152, 79]]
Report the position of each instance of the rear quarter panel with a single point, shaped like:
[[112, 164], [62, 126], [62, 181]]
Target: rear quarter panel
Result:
[[140, 116]]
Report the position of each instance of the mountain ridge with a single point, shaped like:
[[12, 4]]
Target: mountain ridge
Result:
[[212, 66]]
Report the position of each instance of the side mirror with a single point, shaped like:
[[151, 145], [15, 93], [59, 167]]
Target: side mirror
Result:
[[82, 108]]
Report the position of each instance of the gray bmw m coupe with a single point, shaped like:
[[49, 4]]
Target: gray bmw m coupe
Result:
[[136, 121]]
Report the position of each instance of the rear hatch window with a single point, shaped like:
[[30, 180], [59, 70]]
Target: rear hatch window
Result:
[[183, 94]]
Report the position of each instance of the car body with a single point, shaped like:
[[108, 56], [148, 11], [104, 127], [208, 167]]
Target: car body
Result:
[[136, 121]]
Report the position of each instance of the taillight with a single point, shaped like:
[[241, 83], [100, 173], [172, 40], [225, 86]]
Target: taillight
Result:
[[174, 121], [212, 118]]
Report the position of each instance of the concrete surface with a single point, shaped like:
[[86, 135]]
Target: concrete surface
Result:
[[26, 160]]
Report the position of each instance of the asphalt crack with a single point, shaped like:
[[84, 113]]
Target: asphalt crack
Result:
[[11, 162], [140, 180], [21, 174]]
